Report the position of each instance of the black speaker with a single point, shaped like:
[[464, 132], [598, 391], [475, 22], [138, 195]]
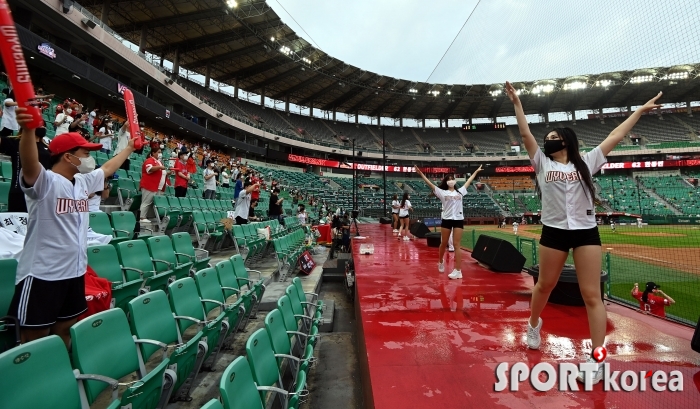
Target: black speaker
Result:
[[501, 256], [385, 220], [695, 341], [434, 239], [419, 229]]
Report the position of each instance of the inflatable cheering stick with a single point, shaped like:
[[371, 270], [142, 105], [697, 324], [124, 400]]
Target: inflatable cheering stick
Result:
[[132, 119], [16, 66]]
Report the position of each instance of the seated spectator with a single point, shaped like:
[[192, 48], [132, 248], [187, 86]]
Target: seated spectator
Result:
[[251, 213], [153, 180], [652, 300]]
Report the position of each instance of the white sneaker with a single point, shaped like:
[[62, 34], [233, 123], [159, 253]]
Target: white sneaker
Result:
[[395, 231], [451, 249], [533, 335], [144, 221], [455, 274], [597, 375], [405, 238], [441, 267]]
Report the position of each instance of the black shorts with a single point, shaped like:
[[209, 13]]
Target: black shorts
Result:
[[564, 240], [404, 217], [240, 220], [452, 224], [40, 303]]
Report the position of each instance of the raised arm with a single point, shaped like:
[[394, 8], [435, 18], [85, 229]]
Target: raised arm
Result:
[[115, 163], [471, 178], [528, 139], [28, 153], [670, 300], [427, 181], [619, 133]]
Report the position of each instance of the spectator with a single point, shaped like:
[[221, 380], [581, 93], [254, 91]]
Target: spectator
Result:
[[650, 302], [303, 217], [63, 120], [123, 137], [275, 211], [9, 116], [224, 178], [191, 165], [153, 180], [182, 176], [235, 172], [106, 135], [49, 283], [10, 147], [251, 212], [209, 181], [242, 211], [92, 117], [254, 179]]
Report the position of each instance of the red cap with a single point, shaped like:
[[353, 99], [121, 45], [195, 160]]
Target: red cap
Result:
[[69, 141]]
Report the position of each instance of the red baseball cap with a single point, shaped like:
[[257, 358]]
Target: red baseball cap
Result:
[[69, 141]]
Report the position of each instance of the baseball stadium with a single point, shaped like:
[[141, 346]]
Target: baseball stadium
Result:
[[259, 224]]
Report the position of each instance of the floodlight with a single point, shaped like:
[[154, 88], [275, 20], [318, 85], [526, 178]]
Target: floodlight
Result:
[[272, 38], [575, 85], [543, 88], [641, 78], [232, 4], [496, 92], [603, 83], [677, 76]]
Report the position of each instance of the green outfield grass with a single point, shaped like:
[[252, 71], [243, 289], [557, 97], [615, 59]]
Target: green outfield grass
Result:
[[683, 287]]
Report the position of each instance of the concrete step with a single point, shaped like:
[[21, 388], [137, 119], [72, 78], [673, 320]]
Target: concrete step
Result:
[[328, 315], [334, 269]]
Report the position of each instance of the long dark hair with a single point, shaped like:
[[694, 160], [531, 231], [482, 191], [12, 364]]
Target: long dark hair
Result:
[[404, 198], [443, 184], [396, 197], [650, 288], [572, 151]]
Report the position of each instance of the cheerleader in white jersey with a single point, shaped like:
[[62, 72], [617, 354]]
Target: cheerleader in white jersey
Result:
[[564, 179], [452, 216]]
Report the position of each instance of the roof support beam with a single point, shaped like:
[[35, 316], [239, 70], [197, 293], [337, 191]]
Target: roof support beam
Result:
[[343, 98], [451, 108], [364, 100], [312, 97], [223, 57], [252, 70], [170, 20], [378, 111], [289, 91], [274, 79], [404, 108]]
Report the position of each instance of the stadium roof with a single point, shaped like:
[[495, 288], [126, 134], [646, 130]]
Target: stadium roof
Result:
[[249, 45]]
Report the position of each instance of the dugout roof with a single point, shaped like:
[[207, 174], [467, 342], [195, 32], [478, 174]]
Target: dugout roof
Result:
[[251, 45]]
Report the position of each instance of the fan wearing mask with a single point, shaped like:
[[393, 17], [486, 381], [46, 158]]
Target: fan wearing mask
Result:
[[153, 180], [49, 283], [10, 147]]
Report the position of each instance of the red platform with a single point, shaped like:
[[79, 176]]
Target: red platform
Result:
[[430, 342]]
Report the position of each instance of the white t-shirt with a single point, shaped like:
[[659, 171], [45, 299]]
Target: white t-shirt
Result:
[[9, 116], [242, 205], [94, 203], [302, 217], [92, 116], [56, 244], [403, 212], [63, 128], [209, 184], [224, 178], [106, 138], [395, 203], [451, 202], [515, 225], [566, 204]]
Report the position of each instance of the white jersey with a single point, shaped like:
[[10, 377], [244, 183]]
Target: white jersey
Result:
[[403, 211], [395, 203], [209, 184], [451, 202], [56, 244], [242, 205], [566, 204], [94, 203], [515, 225]]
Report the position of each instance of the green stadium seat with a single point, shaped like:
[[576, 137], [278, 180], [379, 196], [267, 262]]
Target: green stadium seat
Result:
[[303, 337], [237, 387], [4, 195], [164, 258], [314, 302], [213, 404], [100, 223], [9, 330], [102, 344], [186, 303], [124, 224], [281, 345], [151, 318], [185, 251], [230, 286], [263, 365], [39, 374], [137, 263], [104, 260], [167, 217], [6, 170], [242, 272], [212, 296], [128, 194]]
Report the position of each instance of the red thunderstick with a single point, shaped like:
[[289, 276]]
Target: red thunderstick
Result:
[[132, 118], [16, 66]]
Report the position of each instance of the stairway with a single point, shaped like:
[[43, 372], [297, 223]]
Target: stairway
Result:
[[691, 130], [651, 193], [377, 139]]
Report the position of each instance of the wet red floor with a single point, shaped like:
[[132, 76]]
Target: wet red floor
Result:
[[431, 342]]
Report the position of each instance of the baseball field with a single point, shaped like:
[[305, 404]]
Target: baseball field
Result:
[[667, 255]]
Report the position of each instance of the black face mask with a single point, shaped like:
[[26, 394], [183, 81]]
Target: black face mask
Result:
[[553, 146], [40, 132]]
